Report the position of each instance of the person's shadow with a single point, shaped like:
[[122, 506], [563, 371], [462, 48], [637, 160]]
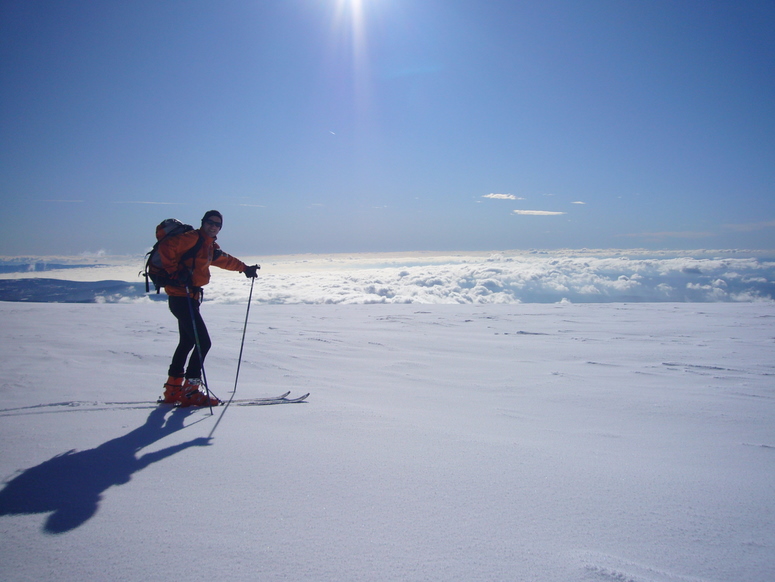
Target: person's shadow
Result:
[[70, 485]]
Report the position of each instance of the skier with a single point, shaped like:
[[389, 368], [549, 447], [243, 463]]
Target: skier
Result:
[[184, 385]]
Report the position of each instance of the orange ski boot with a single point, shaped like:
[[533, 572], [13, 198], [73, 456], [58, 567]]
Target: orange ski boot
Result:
[[192, 394], [173, 390]]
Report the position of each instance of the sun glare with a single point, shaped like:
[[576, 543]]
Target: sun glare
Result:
[[351, 12], [349, 30]]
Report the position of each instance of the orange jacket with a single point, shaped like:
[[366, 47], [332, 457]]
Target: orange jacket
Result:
[[209, 254]]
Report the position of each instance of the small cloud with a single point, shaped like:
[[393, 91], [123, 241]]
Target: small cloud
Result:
[[252, 205], [537, 213], [331, 132], [578, 202], [501, 197]]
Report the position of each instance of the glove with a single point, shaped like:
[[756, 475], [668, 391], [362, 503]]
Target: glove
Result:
[[252, 271]]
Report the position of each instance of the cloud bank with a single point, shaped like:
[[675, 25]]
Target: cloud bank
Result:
[[581, 280], [466, 279]]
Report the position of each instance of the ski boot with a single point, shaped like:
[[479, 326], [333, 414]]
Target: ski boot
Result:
[[173, 390], [192, 394]]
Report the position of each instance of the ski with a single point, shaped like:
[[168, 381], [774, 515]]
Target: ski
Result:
[[267, 399], [270, 401], [281, 399], [263, 399]]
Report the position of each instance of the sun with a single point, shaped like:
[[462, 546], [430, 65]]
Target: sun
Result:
[[349, 42], [354, 10], [350, 23]]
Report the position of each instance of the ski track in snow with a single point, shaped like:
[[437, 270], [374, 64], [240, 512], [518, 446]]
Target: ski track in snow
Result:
[[604, 568]]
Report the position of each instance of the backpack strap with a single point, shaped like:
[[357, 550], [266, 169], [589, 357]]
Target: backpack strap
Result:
[[192, 252]]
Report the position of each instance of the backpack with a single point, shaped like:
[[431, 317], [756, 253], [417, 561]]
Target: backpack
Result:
[[154, 272]]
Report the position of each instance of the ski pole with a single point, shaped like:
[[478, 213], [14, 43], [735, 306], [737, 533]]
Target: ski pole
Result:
[[239, 360], [242, 344], [199, 348]]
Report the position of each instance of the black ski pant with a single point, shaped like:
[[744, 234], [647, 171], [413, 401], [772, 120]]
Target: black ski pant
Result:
[[186, 311]]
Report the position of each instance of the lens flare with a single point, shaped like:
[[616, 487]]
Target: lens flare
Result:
[[349, 33]]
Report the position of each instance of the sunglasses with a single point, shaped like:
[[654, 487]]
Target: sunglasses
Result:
[[213, 223]]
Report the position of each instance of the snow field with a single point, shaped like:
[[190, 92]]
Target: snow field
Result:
[[541, 442]]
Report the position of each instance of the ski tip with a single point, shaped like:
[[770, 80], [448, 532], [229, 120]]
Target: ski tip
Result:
[[295, 400]]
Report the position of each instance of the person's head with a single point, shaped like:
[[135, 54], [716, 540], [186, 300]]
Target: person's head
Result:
[[212, 222]]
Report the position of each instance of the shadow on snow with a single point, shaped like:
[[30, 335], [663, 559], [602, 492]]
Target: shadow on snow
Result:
[[70, 485]]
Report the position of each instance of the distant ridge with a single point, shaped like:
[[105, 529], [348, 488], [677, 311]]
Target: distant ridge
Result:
[[60, 291]]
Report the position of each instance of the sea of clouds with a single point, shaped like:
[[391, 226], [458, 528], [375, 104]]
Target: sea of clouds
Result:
[[424, 278], [534, 280]]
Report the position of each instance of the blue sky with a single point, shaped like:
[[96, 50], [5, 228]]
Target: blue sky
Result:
[[388, 125]]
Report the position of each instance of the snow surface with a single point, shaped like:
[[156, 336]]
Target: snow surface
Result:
[[596, 442]]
